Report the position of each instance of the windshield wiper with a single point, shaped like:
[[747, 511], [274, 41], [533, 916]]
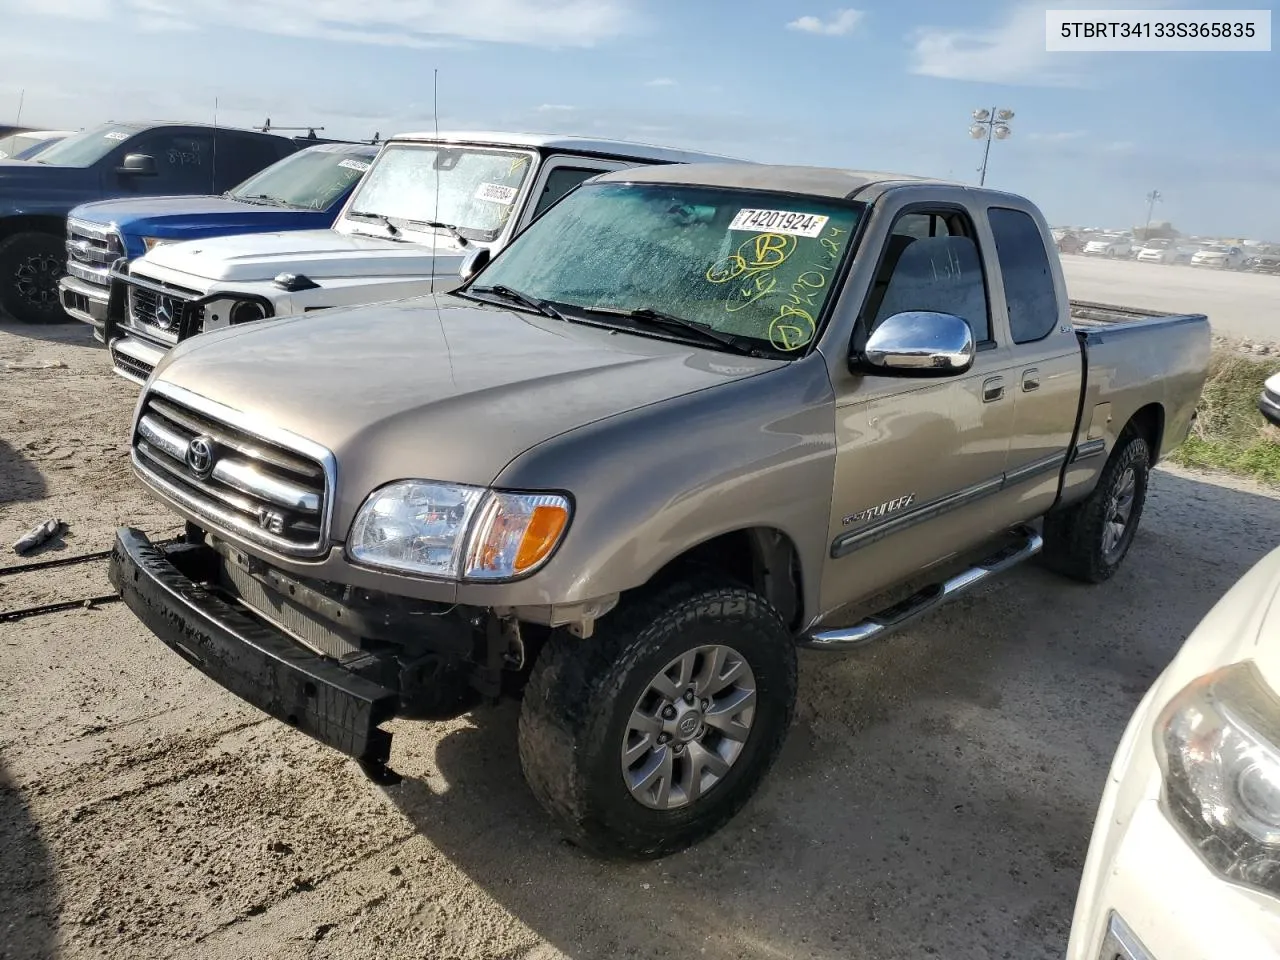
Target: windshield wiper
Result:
[[448, 228], [380, 217], [533, 303], [656, 318]]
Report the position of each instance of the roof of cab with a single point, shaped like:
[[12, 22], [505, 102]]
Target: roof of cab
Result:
[[815, 181], [350, 149], [550, 141]]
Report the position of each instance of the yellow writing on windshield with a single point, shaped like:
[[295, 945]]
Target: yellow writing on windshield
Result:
[[791, 329], [753, 263]]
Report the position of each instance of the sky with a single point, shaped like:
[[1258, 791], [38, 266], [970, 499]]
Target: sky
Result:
[[879, 86]]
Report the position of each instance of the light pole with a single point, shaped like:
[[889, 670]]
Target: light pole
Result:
[[989, 124], [1153, 198]]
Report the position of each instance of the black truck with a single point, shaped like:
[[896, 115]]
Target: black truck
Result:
[[102, 163]]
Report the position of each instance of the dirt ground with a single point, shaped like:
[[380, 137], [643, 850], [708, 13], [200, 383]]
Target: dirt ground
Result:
[[935, 796]]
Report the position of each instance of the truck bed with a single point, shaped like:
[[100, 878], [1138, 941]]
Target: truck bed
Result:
[[1136, 359], [1088, 317]]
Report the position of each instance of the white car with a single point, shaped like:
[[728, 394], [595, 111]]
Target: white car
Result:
[[428, 202], [1108, 247], [1184, 863], [1164, 251], [1221, 255]]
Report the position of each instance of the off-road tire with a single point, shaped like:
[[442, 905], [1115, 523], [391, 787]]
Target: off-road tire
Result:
[[581, 693], [27, 258], [1073, 538]]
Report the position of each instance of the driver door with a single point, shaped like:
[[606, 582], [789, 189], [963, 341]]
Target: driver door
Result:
[[918, 460]]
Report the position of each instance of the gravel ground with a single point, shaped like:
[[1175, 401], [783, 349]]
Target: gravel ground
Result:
[[935, 796]]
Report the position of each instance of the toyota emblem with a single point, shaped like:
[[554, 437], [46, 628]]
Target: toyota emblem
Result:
[[200, 457]]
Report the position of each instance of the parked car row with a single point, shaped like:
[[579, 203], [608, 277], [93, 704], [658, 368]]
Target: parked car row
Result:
[[113, 160]]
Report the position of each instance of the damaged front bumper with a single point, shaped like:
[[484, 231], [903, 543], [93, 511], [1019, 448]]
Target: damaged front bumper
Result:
[[261, 664]]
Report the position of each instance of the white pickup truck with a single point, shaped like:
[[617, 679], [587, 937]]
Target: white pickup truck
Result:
[[428, 202]]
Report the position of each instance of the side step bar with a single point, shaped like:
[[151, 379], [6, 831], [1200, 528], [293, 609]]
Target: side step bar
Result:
[[900, 614]]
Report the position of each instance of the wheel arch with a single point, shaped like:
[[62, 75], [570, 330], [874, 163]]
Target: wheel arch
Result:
[[32, 223], [1148, 423], [763, 558]]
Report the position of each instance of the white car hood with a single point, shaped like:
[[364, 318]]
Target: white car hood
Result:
[[318, 254], [1243, 625]]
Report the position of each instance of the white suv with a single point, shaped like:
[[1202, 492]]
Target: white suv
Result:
[[427, 202]]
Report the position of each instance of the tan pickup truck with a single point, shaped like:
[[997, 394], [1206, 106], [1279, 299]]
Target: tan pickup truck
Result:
[[692, 418]]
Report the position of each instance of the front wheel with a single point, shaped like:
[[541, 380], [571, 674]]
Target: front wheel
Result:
[[1089, 540], [30, 266], [653, 733]]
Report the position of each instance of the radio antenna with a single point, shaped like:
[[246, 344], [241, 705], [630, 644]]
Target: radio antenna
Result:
[[22, 95], [213, 164], [435, 214]]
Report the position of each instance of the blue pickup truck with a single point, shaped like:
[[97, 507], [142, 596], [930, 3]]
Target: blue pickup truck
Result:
[[304, 191], [112, 160]]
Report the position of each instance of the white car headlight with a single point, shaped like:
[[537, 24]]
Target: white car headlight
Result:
[[150, 243], [455, 531], [1218, 744]]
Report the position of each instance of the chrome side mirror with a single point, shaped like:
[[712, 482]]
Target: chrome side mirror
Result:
[[919, 343], [474, 262]]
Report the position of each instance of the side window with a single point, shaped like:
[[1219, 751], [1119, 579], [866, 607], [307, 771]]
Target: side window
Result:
[[559, 182], [931, 262], [240, 157], [920, 226], [183, 161], [1029, 292]]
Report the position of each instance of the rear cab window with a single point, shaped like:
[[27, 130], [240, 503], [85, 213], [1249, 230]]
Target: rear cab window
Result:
[[1027, 276]]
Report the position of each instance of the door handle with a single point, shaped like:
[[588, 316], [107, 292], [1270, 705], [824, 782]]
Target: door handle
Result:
[[992, 389], [1030, 380]]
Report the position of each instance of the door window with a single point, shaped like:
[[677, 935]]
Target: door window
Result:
[[559, 181], [1029, 291], [240, 156], [184, 162], [931, 262]]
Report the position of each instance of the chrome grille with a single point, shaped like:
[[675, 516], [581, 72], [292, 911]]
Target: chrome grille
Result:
[[91, 250], [263, 490], [155, 312], [131, 368]]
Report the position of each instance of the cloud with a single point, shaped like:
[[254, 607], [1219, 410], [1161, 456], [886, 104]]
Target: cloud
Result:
[[555, 108], [1011, 51], [842, 22], [661, 82], [408, 23]]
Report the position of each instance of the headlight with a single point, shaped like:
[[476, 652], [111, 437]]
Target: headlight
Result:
[[150, 243], [1218, 744], [455, 531]]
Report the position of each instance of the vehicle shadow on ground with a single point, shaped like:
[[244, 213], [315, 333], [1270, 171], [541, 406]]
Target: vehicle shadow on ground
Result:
[[20, 480], [935, 796], [27, 889], [68, 331]]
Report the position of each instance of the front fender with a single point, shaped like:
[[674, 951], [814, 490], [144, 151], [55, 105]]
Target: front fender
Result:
[[651, 484]]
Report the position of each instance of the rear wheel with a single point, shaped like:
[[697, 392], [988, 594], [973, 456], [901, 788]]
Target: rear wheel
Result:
[[1089, 540], [653, 733], [30, 266]]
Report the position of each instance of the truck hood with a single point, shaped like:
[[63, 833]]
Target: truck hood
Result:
[[178, 217], [436, 387], [17, 174], [318, 254]]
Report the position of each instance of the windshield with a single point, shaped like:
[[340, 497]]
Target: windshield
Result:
[[473, 188], [750, 264], [87, 148], [1217, 248], [310, 179], [1157, 244], [13, 146]]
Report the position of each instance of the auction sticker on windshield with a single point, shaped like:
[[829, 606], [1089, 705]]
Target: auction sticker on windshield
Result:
[[496, 193], [779, 221], [355, 165], [115, 135]]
